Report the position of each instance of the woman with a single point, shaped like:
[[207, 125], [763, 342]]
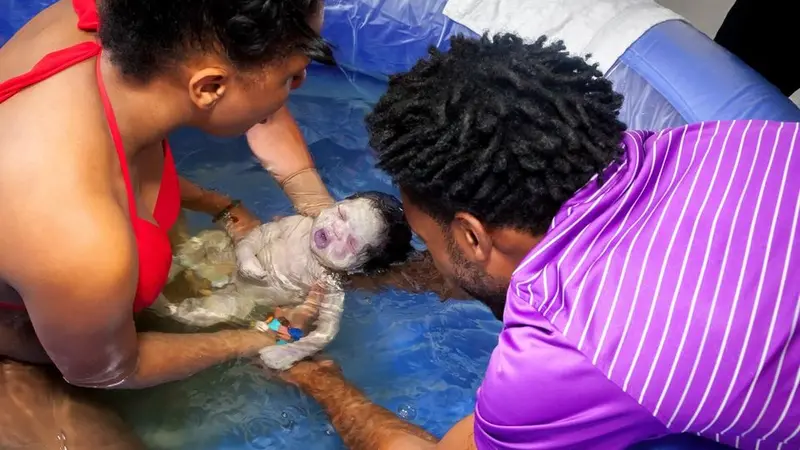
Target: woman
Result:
[[92, 194]]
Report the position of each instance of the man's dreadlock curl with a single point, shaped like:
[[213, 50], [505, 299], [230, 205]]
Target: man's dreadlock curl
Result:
[[499, 128]]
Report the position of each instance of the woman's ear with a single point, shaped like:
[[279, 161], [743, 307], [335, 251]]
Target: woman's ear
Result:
[[207, 87]]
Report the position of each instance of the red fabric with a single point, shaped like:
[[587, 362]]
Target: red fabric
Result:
[[88, 18], [155, 252]]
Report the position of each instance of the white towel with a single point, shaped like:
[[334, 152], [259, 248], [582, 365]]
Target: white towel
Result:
[[602, 28]]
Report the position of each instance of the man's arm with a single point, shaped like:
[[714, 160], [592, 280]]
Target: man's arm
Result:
[[364, 425], [279, 146], [417, 275]]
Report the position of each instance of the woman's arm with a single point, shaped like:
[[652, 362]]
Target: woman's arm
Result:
[[76, 269], [195, 198], [238, 220], [280, 147]]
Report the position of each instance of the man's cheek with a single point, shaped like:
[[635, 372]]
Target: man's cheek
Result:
[[445, 267]]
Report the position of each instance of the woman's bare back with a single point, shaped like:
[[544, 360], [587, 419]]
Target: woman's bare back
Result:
[[55, 139]]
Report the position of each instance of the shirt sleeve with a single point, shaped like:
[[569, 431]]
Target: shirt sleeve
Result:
[[540, 392]]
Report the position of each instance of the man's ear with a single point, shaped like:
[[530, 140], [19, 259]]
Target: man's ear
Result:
[[207, 86], [472, 237]]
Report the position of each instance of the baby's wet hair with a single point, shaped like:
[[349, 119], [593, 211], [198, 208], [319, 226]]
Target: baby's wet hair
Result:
[[395, 246]]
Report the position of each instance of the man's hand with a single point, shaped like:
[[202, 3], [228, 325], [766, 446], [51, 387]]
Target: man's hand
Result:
[[361, 424], [315, 368]]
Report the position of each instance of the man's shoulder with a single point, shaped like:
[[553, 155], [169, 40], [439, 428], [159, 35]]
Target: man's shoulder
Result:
[[539, 386]]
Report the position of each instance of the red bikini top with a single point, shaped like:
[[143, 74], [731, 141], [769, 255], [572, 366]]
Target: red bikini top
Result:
[[152, 242]]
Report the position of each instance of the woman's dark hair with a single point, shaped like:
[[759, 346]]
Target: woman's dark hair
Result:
[[144, 37], [499, 128], [396, 244]]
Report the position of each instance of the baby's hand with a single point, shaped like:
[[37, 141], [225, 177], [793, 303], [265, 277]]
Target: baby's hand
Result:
[[246, 260], [282, 322], [306, 314], [303, 316]]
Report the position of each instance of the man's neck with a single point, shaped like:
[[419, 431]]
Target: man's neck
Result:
[[514, 245]]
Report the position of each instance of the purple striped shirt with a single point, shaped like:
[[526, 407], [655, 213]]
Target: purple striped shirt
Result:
[[665, 300]]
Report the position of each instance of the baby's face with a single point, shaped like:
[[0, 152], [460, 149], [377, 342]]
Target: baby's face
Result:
[[341, 233]]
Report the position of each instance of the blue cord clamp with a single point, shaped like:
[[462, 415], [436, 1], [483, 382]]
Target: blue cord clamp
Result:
[[295, 333]]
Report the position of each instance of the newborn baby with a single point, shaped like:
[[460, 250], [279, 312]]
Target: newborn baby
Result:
[[278, 264]]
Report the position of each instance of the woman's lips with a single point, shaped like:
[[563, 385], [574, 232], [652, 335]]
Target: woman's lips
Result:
[[321, 239]]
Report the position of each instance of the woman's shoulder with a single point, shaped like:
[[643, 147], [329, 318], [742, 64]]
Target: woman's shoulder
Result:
[[56, 137], [62, 249], [59, 188]]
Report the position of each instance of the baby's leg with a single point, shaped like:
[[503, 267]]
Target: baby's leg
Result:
[[331, 307], [211, 310]]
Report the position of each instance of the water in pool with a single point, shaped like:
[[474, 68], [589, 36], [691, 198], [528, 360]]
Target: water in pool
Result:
[[412, 354]]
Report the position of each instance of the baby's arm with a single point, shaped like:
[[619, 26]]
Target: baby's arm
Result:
[[248, 264], [329, 311]]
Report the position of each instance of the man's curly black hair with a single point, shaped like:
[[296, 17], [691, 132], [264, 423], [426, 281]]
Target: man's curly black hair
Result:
[[499, 128], [146, 37]]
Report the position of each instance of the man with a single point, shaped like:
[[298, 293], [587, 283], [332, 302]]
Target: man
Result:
[[647, 288]]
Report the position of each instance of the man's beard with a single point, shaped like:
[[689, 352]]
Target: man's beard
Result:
[[477, 283]]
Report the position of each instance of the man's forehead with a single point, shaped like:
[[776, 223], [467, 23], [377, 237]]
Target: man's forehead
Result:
[[417, 218], [410, 209]]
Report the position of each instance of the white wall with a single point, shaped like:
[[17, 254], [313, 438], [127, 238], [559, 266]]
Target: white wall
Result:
[[706, 15]]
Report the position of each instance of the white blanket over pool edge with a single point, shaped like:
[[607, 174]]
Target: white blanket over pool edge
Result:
[[602, 28]]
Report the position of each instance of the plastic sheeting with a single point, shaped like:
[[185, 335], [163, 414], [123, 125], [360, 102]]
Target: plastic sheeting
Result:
[[670, 76], [603, 29], [697, 78], [384, 37]]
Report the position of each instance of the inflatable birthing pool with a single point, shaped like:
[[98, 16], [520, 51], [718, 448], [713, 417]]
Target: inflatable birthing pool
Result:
[[410, 353]]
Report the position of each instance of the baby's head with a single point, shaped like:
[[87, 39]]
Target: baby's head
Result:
[[366, 232]]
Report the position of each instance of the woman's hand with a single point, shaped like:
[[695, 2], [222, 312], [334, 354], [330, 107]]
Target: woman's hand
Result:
[[279, 146], [235, 218], [239, 222]]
